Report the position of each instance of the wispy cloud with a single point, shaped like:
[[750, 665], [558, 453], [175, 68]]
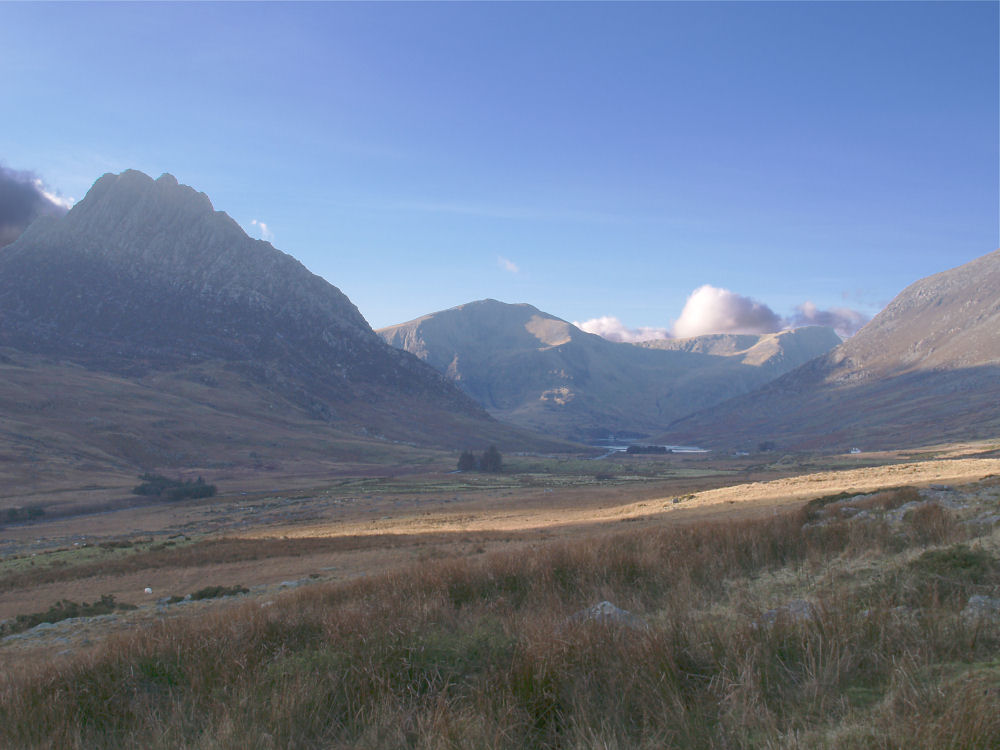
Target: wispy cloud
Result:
[[509, 212], [845, 321], [265, 233], [23, 198], [507, 264]]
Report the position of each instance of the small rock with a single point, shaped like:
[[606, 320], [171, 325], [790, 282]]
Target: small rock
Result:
[[896, 515], [147, 590], [607, 613], [796, 611], [986, 608]]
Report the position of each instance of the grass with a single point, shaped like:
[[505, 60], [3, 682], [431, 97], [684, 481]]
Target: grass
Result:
[[480, 652], [95, 561]]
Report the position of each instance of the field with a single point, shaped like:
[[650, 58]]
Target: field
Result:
[[782, 601]]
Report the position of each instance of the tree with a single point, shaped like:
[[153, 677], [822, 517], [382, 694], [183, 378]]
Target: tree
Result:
[[492, 460], [467, 461]]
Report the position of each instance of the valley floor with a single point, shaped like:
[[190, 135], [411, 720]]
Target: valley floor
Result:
[[843, 534]]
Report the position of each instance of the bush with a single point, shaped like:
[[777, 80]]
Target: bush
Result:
[[214, 592], [158, 485], [18, 515], [64, 610]]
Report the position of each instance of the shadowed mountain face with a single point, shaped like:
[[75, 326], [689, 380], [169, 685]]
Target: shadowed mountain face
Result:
[[924, 370], [144, 277], [538, 371]]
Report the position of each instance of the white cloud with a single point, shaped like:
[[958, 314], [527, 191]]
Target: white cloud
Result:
[[507, 264], [710, 309], [265, 233], [843, 320], [54, 198], [613, 329]]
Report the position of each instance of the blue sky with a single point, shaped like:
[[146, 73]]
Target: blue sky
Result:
[[592, 159]]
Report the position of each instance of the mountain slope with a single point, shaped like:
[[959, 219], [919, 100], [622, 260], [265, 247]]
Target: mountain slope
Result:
[[143, 281], [539, 371], [924, 370]]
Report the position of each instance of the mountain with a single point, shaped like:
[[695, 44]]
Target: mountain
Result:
[[538, 371], [925, 370], [144, 295]]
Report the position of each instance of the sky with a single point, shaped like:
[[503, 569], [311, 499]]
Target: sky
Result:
[[646, 169]]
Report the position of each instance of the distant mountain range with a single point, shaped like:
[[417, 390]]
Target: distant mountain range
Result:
[[925, 370], [144, 328], [537, 371]]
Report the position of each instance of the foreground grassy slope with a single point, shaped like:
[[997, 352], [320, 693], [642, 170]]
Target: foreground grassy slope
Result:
[[479, 652]]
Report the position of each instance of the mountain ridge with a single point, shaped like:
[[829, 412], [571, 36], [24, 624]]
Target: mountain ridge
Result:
[[144, 284], [925, 369], [533, 369]]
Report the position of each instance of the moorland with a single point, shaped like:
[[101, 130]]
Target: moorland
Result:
[[784, 601]]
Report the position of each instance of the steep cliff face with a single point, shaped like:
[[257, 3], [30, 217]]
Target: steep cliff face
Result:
[[924, 370], [144, 276], [535, 370]]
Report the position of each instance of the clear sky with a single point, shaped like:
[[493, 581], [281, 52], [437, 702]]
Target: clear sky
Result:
[[592, 159]]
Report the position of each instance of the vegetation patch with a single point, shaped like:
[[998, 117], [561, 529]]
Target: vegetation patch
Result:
[[157, 485], [64, 610], [22, 515], [488, 652]]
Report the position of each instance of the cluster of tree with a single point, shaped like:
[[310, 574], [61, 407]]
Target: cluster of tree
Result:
[[647, 449], [18, 515], [491, 460], [173, 489]]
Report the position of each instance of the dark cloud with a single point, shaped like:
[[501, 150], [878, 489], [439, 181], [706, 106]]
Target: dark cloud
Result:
[[843, 320], [23, 198]]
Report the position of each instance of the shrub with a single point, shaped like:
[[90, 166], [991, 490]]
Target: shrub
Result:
[[64, 610], [158, 485]]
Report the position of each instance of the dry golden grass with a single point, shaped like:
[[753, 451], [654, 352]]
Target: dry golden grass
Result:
[[479, 651]]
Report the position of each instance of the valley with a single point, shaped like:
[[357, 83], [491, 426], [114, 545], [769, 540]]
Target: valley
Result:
[[332, 580], [351, 526]]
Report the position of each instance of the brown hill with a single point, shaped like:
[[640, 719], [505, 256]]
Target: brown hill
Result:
[[145, 329], [924, 370], [538, 371]]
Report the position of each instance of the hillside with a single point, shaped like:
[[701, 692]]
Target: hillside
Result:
[[145, 329], [538, 371], [924, 370]]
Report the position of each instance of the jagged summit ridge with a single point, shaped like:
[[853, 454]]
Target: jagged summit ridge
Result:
[[161, 230], [145, 275]]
